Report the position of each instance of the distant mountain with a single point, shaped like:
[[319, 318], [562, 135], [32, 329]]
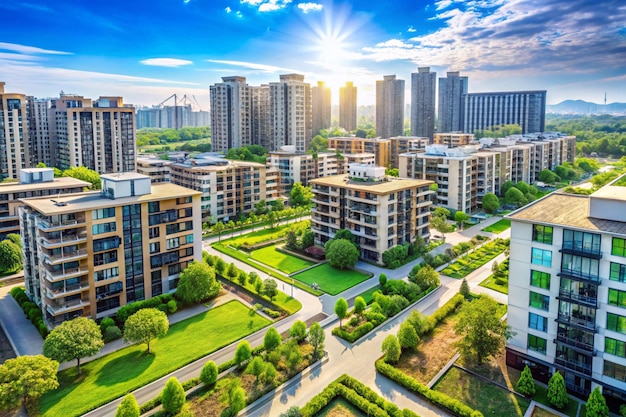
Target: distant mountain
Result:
[[586, 107]]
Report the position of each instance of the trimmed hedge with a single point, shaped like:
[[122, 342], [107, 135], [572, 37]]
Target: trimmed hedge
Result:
[[31, 310], [445, 310], [129, 309]]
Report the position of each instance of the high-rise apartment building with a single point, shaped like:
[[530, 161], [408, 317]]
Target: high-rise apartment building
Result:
[[525, 108], [260, 115], [380, 212], [450, 113], [99, 135], [231, 114], [568, 273], [389, 107], [347, 107], [14, 134], [320, 99], [41, 148], [423, 95], [90, 253], [290, 113]]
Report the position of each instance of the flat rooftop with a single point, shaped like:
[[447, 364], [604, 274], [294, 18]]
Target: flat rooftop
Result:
[[61, 182], [71, 203], [379, 187]]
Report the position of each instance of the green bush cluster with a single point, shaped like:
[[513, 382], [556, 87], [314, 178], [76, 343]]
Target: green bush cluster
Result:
[[399, 255], [272, 313], [161, 302], [109, 330], [31, 310], [444, 311], [475, 260]]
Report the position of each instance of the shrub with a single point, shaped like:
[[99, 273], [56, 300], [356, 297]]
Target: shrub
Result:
[[162, 307], [173, 396], [526, 384], [557, 394], [172, 307], [209, 373], [106, 322], [111, 333], [391, 349]]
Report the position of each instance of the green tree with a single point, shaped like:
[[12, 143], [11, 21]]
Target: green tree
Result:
[[419, 322], [292, 412], [291, 241], [73, 339], [465, 289], [10, 255], [128, 407], [440, 224], [382, 280], [392, 172], [407, 336], [515, 197], [341, 309], [482, 333], [425, 277], [270, 288], [345, 234], [25, 379], [85, 174], [460, 218], [219, 228], [596, 404], [272, 339], [269, 373], [293, 356], [391, 349], [173, 396], [318, 144], [197, 283], [342, 254], [298, 331], [316, 339], [557, 394], [231, 226], [526, 384], [308, 239], [145, 325], [506, 186], [15, 238], [209, 373], [256, 367], [491, 202], [243, 353], [300, 196], [359, 305], [272, 219], [236, 399], [547, 176]]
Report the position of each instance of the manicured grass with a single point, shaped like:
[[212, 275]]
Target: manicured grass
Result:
[[498, 227], [331, 280], [113, 375], [541, 396], [540, 412], [261, 235], [368, 295], [340, 407], [485, 397], [469, 263], [284, 262], [491, 283]]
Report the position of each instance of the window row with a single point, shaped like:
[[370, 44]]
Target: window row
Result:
[[537, 344], [97, 229]]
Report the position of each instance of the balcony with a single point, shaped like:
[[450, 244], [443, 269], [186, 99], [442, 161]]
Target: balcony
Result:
[[53, 243], [47, 226], [68, 273], [579, 275], [59, 307], [580, 367], [53, 293], [585, 323], [578, 248], [65, 257], [575, 343], [586, 298]]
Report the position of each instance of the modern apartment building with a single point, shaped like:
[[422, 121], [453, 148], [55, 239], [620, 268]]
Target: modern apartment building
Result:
[[295, 167], [381, 148], [320, 100], [450, 106], [34, 182], [389, 107], [172, 117], [41, 148], [484, 110], [157, 169], [423, 95], [380, 212], [403, 144], [231, 114], [260, 115], [290, 113], [453, 139], [87, 254], [568, 273], [347, 106], [14, 134], [99, 135], [228, 188]]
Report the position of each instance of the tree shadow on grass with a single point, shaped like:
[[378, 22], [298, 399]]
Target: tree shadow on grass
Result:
[[125, 368]]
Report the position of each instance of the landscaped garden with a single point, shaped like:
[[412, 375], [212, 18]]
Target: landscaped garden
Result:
[[282, 261], [263, 235], [340, 407], [331, 280], [469, 263], [498, 227], [499, 280], [113, 375]]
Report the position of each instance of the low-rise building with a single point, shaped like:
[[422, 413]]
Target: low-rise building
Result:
[[157, 169], [453, 139], [302, 167], [381, 148], [403, 144], [87, 254]]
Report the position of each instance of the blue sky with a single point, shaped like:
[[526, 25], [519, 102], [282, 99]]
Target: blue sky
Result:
[[146, 51]]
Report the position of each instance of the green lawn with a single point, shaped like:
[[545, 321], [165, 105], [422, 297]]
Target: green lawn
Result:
[[541, 396], [261, 235], [340, 407], [499, 226], [489, 399], [172, 145], [368, 295], [113, 375], [284, 262], [491, 283], [331, 280]]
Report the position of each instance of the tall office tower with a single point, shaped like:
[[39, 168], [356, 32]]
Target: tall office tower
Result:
[[41, 149], [450, 114], [290, 113], [423, 90], [99, 135], [14, 134], [389, 107], [230, 114], [260, 115], [347, 107], [320, 100], [525, 108]]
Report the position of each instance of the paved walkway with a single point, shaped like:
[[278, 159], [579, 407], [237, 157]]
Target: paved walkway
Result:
[[23, 336]]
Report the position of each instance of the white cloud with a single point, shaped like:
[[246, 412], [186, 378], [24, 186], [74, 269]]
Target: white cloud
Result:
[[411, 29], [267, 5], [238, 14], [228, 9], [310, 7], [270, 69], [394, 43], [25, 49], [166, 62]]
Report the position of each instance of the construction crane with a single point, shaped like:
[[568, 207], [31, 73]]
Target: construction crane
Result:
[[184, 101]]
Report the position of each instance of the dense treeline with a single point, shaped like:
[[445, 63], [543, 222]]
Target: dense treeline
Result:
[[252, 153], [603, 134], [163, 136]]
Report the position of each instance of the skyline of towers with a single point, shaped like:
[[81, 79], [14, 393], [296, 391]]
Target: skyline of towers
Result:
[[423, 95], [389, 107], [320, 100], [347, 106], [450, 108]]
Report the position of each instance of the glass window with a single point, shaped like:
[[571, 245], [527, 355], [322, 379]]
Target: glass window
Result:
[[616, 323], [542, 234], [537, 343], [619, 247], [618, 272], [97, 229], [539, 301], [617, 298], [615, 347], [542, 257], [540, 279], [580, 265], [537, 322], [614, 370]]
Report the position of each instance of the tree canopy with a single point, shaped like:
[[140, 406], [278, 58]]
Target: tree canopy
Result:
[[252, 153], [197, 283], [341, 253], [85, 174], [300, 196], [491, 203], [10, 256], [145, 325], [73, 339], [341, 309], [128, 407], [26, 378]]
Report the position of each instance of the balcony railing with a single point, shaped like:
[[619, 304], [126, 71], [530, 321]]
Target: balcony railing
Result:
[[578, 248], [49, 225], [48, 243], [65, 257], [579, 275], [575, 343], [53, 293], [583, 322], [57, 307], [587, 298], [581, 367], [67, 273]]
